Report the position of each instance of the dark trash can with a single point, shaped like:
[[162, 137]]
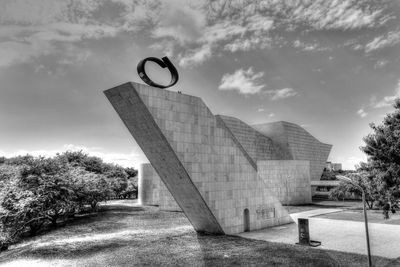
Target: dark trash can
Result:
[[304, 234]]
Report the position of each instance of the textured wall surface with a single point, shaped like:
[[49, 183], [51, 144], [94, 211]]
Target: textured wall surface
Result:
[[154, 191], [288, 179], [148, 185], [301, 144], [167, 201], [257, 145], [201, 165]]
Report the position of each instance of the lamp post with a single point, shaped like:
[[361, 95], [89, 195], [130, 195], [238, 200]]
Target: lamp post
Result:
[[348, 180]]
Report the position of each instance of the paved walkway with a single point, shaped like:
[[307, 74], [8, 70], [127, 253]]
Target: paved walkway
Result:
[[340, 235]]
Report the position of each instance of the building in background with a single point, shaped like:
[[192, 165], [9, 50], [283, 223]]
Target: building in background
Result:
[[333, 166]]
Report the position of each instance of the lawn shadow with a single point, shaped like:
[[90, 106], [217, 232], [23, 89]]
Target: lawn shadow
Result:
[[238, 251]]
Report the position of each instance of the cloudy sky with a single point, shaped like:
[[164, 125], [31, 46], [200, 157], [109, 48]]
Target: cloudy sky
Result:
[[330, 66]]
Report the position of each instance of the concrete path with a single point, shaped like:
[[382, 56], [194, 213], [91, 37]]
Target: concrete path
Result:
[[340, 235], [312, 213]]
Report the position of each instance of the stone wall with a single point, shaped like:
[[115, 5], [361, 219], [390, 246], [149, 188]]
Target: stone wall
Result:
[[201, 165], [288, 179]]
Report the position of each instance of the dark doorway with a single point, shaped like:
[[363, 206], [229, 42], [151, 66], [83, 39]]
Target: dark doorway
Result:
[[246, 218]]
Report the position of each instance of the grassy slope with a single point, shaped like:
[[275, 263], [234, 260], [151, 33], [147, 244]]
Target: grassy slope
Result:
[[124, 235]]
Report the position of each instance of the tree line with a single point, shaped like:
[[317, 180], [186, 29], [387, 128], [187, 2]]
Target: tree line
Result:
[[39, 192]]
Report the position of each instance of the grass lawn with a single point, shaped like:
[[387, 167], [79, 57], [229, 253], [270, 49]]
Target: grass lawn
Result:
[[374, 216], [124, 234]]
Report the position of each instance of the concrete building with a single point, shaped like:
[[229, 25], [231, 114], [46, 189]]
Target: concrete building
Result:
[[333, 166], [226, 176]]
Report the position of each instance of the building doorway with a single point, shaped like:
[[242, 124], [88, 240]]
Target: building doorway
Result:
[[246, 218]]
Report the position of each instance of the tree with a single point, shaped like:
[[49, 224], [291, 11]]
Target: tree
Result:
[[118, 179], [369, 182], [42, 191], [383, 150], [90, 188], [81, 159], [37, 192], [131, 172]]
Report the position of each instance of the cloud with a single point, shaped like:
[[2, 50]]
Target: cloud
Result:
[[281, 93], [247, 44], [241, 34], [337, 15], [381, 63], [33, 28], [243, 81], [260, 110], [271, 115], [309, 46], [196, 56], [181, 22], [390, 39], [191, 31], [11, 52], [386, 101], [244, 26], [362, 113]]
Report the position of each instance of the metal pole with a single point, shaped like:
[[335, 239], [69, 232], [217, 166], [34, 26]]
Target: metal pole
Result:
[[366, 230]]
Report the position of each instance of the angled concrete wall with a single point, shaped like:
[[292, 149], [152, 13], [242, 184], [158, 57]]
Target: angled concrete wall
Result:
[[300, 144], [207, 173], [136, 105]]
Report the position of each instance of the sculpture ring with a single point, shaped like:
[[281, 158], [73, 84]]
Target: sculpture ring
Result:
[[163, 63]]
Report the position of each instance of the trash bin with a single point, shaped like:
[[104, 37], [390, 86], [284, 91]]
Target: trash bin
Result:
[[304, 234]]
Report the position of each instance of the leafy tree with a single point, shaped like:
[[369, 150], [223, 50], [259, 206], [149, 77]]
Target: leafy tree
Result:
[[41, 192], [369, 182], [81, 159], [383, 150], [38, 191], [131, 189], [90, 188], [118, 179], [328, 175], [22, 208], [131, 172]]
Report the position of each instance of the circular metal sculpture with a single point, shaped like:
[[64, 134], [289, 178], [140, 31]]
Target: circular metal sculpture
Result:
[[163, 63]]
